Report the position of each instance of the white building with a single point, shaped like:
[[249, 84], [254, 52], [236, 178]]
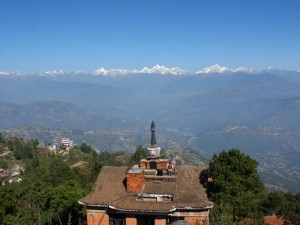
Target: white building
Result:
[[66, 142]]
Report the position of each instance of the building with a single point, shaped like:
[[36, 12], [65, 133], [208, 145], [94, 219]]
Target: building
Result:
[[146, 194], [66, 142]]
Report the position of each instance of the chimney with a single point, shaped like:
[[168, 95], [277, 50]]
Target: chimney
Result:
[[135, 179]]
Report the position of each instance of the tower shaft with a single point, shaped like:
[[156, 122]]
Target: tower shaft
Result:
[[153, 138]]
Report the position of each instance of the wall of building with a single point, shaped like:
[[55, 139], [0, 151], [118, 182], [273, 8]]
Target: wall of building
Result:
[[161, 164], [160, 221], [97, 217], [134, 182], [131, 220], [195, 218]]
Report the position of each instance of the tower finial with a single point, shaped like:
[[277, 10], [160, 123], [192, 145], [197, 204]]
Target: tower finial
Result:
[[153, 139], [153, 150]]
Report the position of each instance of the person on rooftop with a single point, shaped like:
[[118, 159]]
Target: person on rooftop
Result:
[[170, 168]]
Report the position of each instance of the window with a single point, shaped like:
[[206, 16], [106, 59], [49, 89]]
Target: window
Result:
[[154, 198], [174, 218], [153, 165], [145, 220], [117, 220]]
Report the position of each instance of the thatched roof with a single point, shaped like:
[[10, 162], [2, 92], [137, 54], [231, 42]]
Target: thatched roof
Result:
[[110, 190]]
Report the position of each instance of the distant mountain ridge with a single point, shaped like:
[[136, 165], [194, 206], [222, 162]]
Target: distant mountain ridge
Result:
[[156, 69], [185, 108], [196, 103], [110, 141], [55, 114]]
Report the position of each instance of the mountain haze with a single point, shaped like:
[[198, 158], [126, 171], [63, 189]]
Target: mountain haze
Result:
[[257, 111]]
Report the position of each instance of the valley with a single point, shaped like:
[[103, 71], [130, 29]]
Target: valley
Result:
[[206, 113]]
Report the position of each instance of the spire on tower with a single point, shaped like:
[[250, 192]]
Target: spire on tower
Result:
[[153, 150], [153, 139]]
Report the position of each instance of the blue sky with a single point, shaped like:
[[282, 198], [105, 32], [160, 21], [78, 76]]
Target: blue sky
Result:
[[39, 35]]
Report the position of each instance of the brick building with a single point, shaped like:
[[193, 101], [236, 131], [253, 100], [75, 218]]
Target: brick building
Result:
[[146, 194]]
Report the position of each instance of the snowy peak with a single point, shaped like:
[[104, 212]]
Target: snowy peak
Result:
[[157, 69], [214, 69], [103, 71], [253, 70], [55, 72], [222, 69], [4, 73]]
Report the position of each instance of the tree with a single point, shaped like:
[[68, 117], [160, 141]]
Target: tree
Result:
[[85, 148], [283, 204], [63, 202], [236, 188], [35, 143], [60, 171], [1, 137], [292, 211], [3, 164], [140, 153]]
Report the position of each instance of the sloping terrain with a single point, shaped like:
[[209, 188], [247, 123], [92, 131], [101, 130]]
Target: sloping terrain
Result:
[[199, 112]]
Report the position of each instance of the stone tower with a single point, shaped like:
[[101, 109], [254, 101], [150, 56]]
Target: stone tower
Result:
[[153, 150]]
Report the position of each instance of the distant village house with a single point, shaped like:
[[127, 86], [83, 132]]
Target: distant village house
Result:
[[66, 142]]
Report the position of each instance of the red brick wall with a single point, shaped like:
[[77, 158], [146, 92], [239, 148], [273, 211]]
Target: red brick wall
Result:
[[160, 221], [134, 182], [195, 218], [94, 217], [160, 165], [274, 220], [131, 220]]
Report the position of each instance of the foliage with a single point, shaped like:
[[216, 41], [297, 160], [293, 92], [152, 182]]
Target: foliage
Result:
[[236, 189], [51, 184], [140, 153], [35, 143], [3, 164], [85, 148], [37, 200], [35, 162], [284, 204], [113, 159], [21, 149], [59, 172]]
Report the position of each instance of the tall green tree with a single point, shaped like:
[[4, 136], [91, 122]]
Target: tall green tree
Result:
[[236, 189], [85, 148], [60, 171], [140, 153]]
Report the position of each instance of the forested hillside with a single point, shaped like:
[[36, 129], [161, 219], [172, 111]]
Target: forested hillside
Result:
[[42, 186]]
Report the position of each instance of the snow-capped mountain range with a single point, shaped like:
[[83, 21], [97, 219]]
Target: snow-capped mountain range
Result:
[[222, 69], [159, 69]]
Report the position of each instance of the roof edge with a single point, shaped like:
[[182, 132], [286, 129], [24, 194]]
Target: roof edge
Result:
[[141, 211], [92, 205]]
